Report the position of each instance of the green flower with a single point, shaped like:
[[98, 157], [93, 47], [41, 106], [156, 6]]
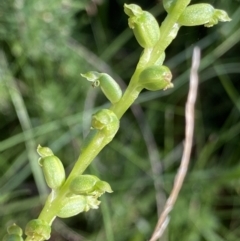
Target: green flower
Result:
[[144, 25], [202, 14], [156, 78]]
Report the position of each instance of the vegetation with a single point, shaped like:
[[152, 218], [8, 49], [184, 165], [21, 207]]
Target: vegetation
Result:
[[43, 99]]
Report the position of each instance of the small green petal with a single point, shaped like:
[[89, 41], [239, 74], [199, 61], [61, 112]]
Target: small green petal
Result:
[[132, 10], [44, 151], [92, 203], [91, 76], [222, 15], [109, 86], [14, 229], [103, 187]]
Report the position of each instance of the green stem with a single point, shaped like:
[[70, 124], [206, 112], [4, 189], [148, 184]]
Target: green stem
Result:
[[168, 29], [49, 210], [128, 98], [96, 144]]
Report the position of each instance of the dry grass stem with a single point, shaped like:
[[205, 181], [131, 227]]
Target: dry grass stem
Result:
[[189, 130]]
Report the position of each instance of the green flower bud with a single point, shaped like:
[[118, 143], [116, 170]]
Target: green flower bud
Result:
[[53, 171], [107, 122], [38, 229], [144, 25], [73, 205], [14, 229], [103, 118], [202, 13], [110, 88], [89, 185], [12, 237], [108, 85], [156, 78], [83, 184]]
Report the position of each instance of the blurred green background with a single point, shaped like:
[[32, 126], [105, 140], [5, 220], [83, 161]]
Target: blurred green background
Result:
[[44, 46]]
